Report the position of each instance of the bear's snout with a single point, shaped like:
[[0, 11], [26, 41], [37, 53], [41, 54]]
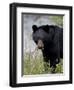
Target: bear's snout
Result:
[[40, 44]]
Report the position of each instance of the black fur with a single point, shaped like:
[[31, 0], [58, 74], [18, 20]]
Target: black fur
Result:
[[52, 38]]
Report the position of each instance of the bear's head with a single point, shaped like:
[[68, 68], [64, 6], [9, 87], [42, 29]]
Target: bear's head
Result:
[[43, 35]]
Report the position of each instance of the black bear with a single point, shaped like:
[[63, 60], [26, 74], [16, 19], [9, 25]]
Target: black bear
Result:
[[49, 38]]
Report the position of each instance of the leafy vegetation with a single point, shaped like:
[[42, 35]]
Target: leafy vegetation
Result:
[[35, 65]]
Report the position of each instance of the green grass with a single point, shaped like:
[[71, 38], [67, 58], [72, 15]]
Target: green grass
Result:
[[35, 65]]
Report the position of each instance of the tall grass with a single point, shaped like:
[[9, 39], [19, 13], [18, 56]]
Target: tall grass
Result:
[[33, 64]]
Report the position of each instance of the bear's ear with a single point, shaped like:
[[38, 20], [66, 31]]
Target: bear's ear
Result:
[[34, 27], [46, 28], [52, 31], [52, 28]]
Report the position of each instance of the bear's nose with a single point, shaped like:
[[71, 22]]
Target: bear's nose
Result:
[[40, 47], [40, 44]]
